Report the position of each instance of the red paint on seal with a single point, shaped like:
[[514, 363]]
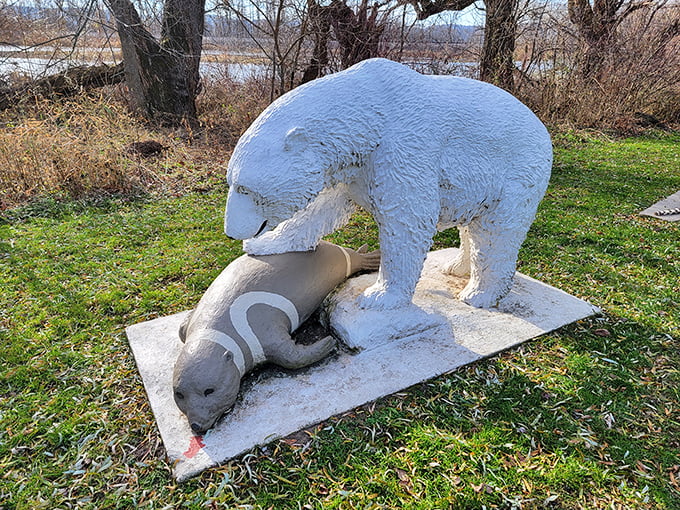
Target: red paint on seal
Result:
[[195, 445]]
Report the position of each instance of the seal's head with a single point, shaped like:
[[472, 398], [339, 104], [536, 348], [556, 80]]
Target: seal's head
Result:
[[205, 382]]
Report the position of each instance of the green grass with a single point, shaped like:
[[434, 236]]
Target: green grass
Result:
[[587, 417]]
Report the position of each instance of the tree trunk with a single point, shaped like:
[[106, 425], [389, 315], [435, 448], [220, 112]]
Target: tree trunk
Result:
[[357, 33], [595, 28], [497, 63], [426, 8], [596, 25], [69, 83], [163, 76], [319, 25], [497, 60]]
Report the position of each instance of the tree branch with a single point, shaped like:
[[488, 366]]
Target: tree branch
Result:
[[65, 84], [426, 8]]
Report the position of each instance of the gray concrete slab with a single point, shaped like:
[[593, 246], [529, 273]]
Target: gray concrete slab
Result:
[[670, 203], [385, 359]]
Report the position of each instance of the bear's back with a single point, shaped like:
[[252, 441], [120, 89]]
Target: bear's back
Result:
[[411, 93]]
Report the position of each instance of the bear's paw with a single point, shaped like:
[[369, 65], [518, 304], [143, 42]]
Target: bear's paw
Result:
[[377, 297], [459, 266], [488, 298]]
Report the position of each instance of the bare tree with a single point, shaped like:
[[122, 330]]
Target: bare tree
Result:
[[500, 30], [597, 22], [278, 28], [319, 27], [357, 32], [497, 63], [304, 39], [162, 74], [633, 81]]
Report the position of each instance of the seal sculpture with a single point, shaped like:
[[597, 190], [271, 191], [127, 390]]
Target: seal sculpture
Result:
[[246, 318], [420, 153]]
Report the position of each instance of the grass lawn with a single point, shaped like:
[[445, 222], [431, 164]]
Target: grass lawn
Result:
[[587, 417]]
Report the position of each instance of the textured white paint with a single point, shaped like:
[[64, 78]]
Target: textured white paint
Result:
[[434, 305], [420, 153], [327, 212], [273, 406]]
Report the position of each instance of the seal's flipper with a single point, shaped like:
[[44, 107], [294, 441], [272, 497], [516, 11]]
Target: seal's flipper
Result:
[[370, 261], [184, 325], [288, 354]]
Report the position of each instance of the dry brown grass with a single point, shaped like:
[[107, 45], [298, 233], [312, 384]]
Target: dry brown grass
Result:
[[71, 148], [76, 149], [227, 107]]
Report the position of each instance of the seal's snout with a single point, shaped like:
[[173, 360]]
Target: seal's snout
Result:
[[197, 428]]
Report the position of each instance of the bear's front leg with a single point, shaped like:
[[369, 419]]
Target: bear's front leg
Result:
[[460, 265], [326, 213], [405, 238]]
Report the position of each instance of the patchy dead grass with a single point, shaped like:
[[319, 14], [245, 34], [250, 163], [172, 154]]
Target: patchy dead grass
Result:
[[76, 149]]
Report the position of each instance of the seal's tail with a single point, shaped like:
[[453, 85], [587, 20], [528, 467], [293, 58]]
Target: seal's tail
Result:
[[370, 261]]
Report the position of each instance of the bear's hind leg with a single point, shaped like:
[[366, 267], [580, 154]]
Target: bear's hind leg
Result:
[[494, 246], [460, 264]]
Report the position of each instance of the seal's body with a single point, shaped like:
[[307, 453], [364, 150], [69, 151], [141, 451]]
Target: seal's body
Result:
[[246, 318]]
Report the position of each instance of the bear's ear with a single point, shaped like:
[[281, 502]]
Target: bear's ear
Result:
[[295, 138]]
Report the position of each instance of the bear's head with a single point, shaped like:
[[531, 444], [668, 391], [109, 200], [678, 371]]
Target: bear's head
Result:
[[272, 174], [205, 383]]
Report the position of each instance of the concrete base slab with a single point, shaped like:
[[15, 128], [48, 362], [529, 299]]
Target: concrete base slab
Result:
[[530, 309], [672, 202], [393, 355]]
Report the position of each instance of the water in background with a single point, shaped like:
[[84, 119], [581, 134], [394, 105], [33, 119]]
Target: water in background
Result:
[[14, 63]]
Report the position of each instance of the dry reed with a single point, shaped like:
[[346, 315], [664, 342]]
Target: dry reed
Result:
[[637, 83]]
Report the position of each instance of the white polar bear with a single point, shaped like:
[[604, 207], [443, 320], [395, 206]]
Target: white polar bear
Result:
[[420, 153]]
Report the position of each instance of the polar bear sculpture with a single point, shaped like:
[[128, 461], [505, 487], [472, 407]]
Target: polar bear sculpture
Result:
[[420, 153]]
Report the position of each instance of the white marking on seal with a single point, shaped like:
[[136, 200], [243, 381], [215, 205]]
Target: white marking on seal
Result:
[[348, 271], [228, 343], [238, 311]]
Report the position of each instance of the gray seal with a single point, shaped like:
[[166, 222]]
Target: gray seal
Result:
[[246, 318]]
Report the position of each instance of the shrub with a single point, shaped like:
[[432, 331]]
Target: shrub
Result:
[[636, 84]]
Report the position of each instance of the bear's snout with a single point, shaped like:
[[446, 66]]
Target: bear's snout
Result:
[[243, 219]]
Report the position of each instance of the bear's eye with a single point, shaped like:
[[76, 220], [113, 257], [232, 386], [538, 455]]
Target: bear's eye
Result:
[[179, 395], [208, 392]]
